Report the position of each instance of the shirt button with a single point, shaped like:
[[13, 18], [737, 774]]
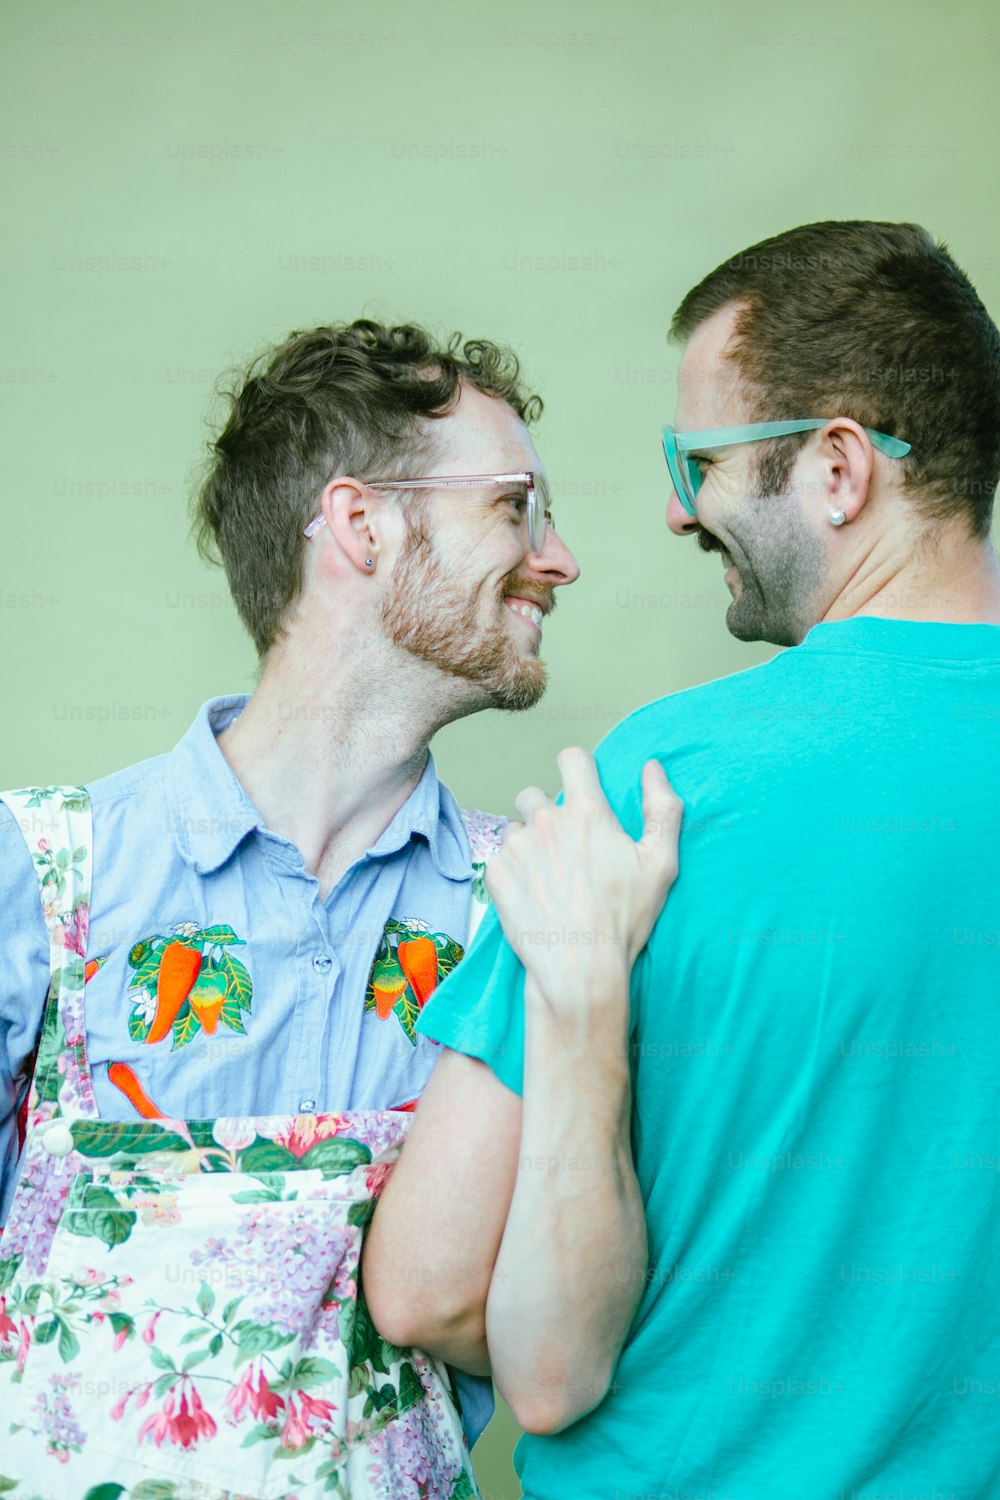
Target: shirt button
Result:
[[307, 1106], [322, 963], [58, 1138]]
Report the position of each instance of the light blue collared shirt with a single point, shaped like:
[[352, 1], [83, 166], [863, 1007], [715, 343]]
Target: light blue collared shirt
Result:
[[177, 841]]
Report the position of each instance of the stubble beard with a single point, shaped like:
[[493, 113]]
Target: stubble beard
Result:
[[435, 618], [780, 579]]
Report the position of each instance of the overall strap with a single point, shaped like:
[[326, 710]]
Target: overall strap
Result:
[[485, 834], [56, 825]]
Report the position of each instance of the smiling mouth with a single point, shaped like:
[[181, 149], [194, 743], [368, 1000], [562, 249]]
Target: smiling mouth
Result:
[[526, 611]]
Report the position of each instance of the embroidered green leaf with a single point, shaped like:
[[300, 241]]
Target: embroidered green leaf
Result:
[[215, 1347], [105, 1492], [336, 1156], [46, 1332], [256, 1338], [220, 934], [69, 1344], [186, 1026], [229, 1311], [206, 1298], [238, 979], [161, 1360], [163, 1385], [407, 1009], [230, 1015], [138, 1026], [193, 1334]]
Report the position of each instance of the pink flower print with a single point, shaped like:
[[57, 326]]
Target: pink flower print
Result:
[[295, 1433], [120, 1338], [149, 1332], [86, 1276], [301, 1132], [377, 1175], [7, 1325], [234, 1134], [183, 1424], [23, 1346], [264, 1403], [160, 1208], [317, 1411], [240, 1396], [110, 1302]]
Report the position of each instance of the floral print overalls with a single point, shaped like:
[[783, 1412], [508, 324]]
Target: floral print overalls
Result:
[[180, 1315]]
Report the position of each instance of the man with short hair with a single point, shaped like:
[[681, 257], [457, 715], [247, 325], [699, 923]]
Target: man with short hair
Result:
[[272, 903], [801, 1097]]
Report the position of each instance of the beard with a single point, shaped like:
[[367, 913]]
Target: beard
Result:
[[781, 564], [435, 616]]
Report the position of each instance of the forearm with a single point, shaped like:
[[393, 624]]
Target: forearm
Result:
[[572, 1261], [431, 1246]]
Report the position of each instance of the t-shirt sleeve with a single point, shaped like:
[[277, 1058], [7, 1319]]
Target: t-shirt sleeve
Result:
[[24, 982], [479, 1009]]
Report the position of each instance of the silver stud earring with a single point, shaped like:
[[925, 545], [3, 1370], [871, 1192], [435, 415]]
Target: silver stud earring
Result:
[[837, 517], [369, 563]]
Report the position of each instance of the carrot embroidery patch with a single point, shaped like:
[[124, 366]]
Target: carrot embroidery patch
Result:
[[187, 983], [409, 965]]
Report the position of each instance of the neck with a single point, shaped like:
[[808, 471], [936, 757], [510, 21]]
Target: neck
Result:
[[328, 763], [949, 577]]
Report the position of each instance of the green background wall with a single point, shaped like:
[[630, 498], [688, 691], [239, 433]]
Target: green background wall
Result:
[[186, 182]]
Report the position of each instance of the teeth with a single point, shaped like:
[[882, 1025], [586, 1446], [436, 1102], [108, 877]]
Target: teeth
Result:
[[529, 611]]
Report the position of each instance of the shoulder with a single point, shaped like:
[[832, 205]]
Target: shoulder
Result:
[[685, 717]]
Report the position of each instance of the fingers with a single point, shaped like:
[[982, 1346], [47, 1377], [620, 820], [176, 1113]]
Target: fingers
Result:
[[579, 773], [662, 811], [528, 800]]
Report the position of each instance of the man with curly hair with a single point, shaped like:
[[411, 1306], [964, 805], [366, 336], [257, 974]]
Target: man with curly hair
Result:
[[274, 899]]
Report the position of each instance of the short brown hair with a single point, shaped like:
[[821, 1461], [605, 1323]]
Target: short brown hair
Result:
[[353, 399], [875, 322]]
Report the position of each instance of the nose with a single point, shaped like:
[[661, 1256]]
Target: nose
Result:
[[680, 523], [554, 562]]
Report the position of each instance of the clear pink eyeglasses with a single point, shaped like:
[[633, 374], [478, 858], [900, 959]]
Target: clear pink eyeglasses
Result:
[[535, 496]]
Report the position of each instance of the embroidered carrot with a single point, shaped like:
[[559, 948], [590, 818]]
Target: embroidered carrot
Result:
[[388, 983], [206, 999], [123, 1077], [179, 967], [419, 962]]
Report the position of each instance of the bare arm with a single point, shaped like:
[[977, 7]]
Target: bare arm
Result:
[[573, 1258], [430, 1248]]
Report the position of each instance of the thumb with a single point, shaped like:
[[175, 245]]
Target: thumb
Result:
[[662, 811]]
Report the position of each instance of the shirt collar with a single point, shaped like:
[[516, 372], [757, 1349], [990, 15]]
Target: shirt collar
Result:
[[212, 813]]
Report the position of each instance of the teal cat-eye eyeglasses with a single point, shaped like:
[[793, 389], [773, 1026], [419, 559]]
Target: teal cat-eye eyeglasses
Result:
[[683, 449]]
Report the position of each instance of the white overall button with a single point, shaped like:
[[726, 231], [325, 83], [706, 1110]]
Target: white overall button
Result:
[[57, 1138], [322, 963]]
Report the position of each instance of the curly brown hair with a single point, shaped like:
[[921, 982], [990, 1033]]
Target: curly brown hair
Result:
[[350, 398]]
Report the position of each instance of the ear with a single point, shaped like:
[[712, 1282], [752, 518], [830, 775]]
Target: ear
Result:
[[350, 512], [848, 464]]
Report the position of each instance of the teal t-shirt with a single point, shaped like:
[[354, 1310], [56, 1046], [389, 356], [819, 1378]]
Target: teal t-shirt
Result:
[[815, 1050]]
